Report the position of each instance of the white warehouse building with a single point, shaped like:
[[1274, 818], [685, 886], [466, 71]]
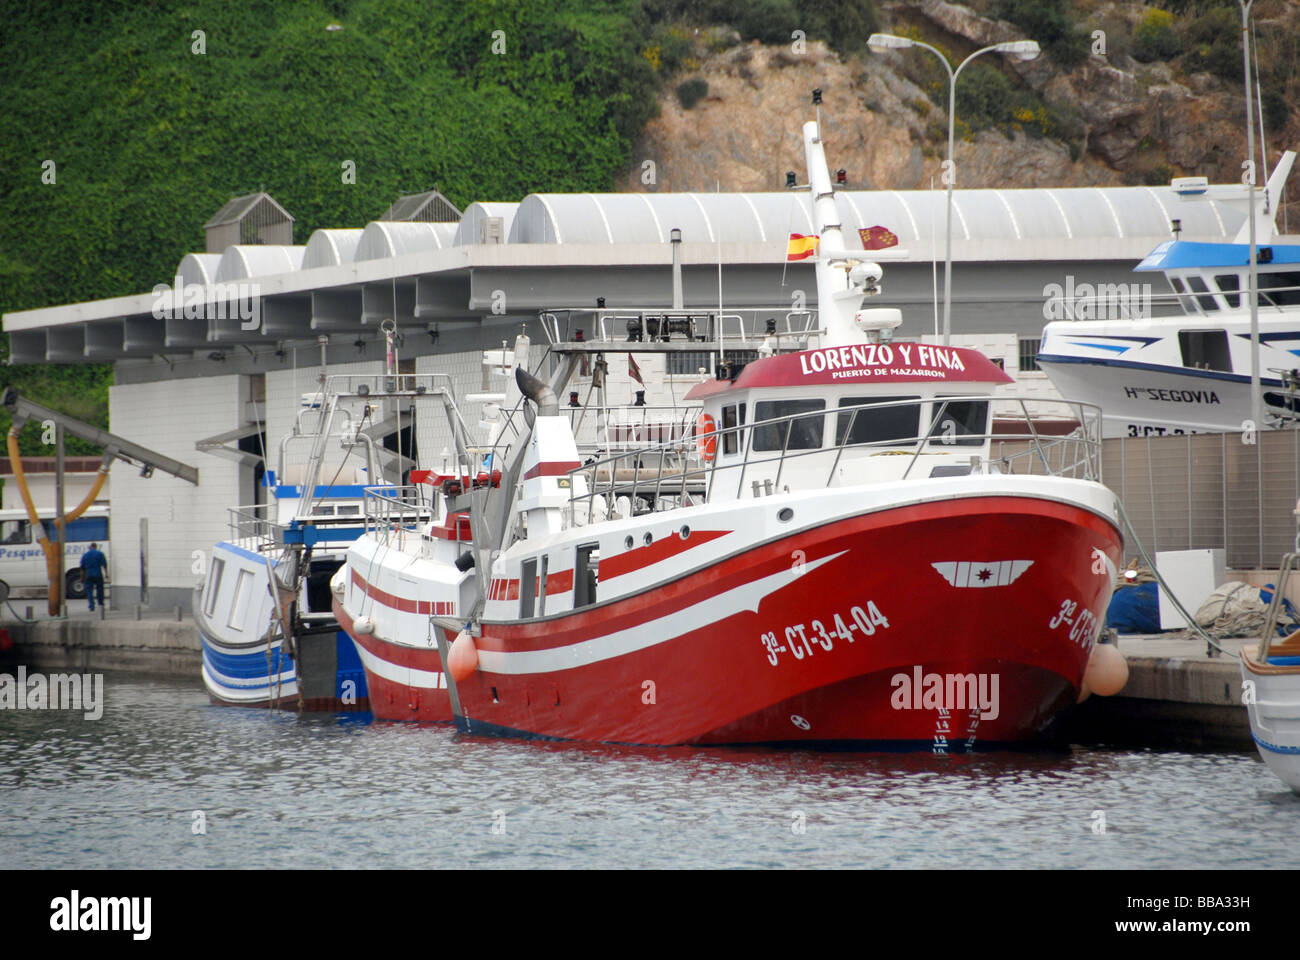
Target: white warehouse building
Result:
[[231, 346]]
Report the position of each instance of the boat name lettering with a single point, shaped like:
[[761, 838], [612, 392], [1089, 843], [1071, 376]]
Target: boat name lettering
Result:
[[801, 641], [850, 360], [1171, 396]]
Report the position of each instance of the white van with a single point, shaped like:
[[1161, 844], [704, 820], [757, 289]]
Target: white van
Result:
[[22, 562]]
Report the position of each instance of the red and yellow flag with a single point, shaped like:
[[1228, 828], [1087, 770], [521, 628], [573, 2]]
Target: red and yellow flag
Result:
[[633, 370], [801, 247], [877, 238]]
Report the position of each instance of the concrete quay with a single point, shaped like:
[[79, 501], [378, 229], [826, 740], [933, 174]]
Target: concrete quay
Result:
[[1176, 697], [156, 643]]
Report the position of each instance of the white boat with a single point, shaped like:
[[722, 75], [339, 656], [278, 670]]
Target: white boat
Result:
[[1270, 673], [1191, 372], [263, 610]]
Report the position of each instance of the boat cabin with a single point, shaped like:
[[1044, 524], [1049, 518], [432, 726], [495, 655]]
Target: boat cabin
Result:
[[1207, 277], [844, 415]]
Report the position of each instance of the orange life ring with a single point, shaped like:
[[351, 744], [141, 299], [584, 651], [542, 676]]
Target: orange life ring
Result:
[[705, 437]]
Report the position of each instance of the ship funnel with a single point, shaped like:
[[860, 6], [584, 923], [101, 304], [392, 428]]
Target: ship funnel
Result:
[[538, 392]]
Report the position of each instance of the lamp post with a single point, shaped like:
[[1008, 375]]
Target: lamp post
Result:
[[1025, 50], [1256, 394]]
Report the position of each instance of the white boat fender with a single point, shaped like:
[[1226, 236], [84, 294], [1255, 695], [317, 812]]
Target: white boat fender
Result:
[[363, 625], [462, 661], [1107, 670]]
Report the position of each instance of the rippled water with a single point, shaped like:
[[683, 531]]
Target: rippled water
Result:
[[325, 791]]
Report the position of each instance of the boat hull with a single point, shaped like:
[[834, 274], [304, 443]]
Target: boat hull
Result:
[[877, 629], [326, 676], [1273, 703], [406, 683]]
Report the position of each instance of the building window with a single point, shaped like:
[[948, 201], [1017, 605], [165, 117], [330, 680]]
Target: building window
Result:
[[690, 362], [1029, 355]]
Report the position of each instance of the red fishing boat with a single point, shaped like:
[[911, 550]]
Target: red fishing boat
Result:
[[842, 553]]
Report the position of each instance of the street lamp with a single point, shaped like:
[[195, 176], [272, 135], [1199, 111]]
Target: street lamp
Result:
[[1021, 49], [1256, 394]]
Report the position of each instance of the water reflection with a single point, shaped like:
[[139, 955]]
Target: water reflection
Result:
[[278, 790]]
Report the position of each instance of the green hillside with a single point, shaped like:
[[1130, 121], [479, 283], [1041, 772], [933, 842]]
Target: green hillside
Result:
[[149, 138]]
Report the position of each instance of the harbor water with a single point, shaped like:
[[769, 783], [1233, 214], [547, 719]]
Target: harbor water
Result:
[[163, 779]]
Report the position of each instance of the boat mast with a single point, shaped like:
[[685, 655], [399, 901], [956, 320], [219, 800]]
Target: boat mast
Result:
[[838, 299]]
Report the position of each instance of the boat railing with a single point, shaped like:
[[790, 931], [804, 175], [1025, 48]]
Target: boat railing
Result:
[[253, 527], [629, 427], [379, 385], [394, 516], [1049, 437], [710, 329]]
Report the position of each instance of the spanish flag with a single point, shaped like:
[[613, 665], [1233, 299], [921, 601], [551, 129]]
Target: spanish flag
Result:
[[877, 238], [801, 247]]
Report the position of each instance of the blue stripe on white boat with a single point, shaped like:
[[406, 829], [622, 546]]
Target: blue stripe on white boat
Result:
[[244, 685], [240, 551], [1190, 254], [351, 491], [309, 534], [1273, 747], [1157, 368], [246, 666], [1116, 347]]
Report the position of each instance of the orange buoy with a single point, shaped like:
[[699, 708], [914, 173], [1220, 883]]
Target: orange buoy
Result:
[[1107, 670], [463, 659], [705, 438]]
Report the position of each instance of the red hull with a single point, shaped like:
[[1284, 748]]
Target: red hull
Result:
[[393, 695], [639, 681]]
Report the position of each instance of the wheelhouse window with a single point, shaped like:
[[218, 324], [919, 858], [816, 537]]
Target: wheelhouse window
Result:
[[805, 432], [1229, 284], [239, 605], [878, 425], [732, 416], [1198, 286], [214, 584], [960, 423], [1279, 289], [1205, 349]]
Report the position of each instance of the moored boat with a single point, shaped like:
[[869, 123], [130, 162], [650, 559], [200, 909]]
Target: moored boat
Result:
[[844, 553]]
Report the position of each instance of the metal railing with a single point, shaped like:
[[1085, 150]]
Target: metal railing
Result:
[[1050, 437], [394, 516]]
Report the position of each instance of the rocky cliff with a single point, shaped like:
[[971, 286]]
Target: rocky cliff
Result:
[[1108, 119]]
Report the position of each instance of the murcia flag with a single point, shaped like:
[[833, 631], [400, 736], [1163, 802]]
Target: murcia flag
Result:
[[633, 370], [877, 238], [800, 247], [972, 573]]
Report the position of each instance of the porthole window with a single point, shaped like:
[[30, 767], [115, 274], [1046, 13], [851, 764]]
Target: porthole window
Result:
[[786, 515], [684, 532]]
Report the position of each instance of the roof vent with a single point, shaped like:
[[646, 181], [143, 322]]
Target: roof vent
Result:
[[251, 219], [430, 207]]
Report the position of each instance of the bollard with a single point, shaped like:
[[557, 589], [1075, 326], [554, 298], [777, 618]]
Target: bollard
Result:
[[137, 612]]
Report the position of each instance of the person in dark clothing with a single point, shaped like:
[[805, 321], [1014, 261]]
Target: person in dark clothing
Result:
[[93, 566]]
